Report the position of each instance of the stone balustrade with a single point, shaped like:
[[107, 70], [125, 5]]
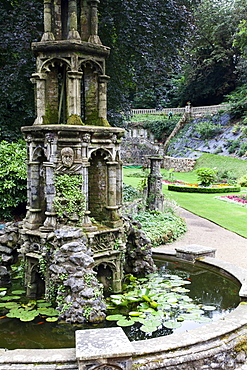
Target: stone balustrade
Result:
[[194, 111]]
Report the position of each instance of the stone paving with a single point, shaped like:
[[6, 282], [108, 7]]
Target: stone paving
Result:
[[229, 246]]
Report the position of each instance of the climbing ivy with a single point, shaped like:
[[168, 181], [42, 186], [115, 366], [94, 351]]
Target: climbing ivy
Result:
[[69, 202]]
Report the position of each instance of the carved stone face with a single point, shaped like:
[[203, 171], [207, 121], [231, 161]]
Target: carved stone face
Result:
[[67, 157]]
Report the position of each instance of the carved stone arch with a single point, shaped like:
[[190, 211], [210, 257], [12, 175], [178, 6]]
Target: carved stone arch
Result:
[[52, 62], [98, 183], [106, 272], [38, 154], [91, 63], [104, 153], [107, 367]]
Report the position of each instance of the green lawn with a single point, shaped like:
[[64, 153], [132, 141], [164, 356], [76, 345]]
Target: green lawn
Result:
[[230, 216]]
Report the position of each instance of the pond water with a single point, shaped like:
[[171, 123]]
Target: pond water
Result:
[[206, 288]]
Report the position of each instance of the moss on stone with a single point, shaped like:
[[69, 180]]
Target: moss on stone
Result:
[[242, 345], [94, 120], [51, 116], [74, 119]]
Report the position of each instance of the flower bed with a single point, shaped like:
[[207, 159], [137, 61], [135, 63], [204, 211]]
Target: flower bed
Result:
[[196, 188], [237, 199]]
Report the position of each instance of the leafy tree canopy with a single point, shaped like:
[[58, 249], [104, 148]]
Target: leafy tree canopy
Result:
[[145, 39], [20, 24], [211, 58]]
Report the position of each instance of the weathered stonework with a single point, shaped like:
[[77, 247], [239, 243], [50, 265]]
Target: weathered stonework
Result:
[[179, 164], [155, 197], [74, 168], [70, 64], [138, 145]]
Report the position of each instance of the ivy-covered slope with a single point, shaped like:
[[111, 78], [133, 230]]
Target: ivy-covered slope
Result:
[[214, 134]]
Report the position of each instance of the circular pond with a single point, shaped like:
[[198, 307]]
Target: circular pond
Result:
[[195, 296]]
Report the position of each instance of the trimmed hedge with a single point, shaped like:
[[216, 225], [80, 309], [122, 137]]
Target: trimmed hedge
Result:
[[201, 189]]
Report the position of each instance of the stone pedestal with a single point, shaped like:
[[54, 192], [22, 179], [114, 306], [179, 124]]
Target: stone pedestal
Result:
[[106, 349], [155, 198], [84, 152], [193, 252]]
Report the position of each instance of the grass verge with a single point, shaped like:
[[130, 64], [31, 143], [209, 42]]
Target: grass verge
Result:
[[228, 215]]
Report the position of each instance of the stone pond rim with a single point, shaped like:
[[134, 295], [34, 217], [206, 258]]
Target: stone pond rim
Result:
[[212, 343]]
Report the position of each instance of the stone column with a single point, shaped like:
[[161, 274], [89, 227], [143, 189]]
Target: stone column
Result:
[[103, 79], [34, 217], [48, 35], [119, 184], [73, 32], [74, 92], [112, 206], [94, 38], [85, 32], [40, 91], [112, 183], [155, 198], [50, 145], [91, 97], [50, 221]]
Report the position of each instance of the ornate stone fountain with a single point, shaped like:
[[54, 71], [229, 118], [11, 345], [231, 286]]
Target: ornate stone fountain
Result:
[[74, 168]]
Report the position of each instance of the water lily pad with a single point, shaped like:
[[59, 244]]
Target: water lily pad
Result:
[[2, 305], [115, 317], [18, 292], [148, 329], [3, 289], [209, 308], [125, 322], [44, 304], [27, 318], [10, 298], [116, 296], [151, 310], [139, 319], [11, 305], [172, 324], [143, 305], [202, 319], [135, 313], [48, 311], [51, 319]]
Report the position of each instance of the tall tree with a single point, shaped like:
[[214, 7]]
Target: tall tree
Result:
[[20, 24], [145, 39], [211, 59]]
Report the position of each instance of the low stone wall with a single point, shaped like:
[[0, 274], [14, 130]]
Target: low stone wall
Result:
[[179, 164]]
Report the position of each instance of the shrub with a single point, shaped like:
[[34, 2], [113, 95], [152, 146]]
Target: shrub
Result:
[[238, 102], [162, 126], [233, 145], [225, 176], [12, 177], [130, 193], [242, 150], [198, 189], [161, 228], [208, 129], [242, 181], [206, 176]]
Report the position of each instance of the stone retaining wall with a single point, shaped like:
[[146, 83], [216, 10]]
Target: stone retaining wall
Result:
[[179, 164]]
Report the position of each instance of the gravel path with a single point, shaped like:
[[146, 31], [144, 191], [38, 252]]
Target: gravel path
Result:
[[230, 246]]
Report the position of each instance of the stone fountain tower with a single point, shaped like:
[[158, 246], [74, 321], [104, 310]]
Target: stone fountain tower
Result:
[[74, 165]]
